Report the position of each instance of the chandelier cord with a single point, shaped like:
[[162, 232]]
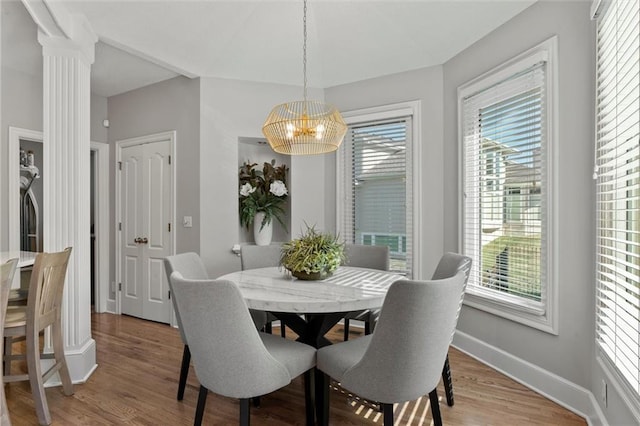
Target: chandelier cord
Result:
[[304, 127], [304, 50]]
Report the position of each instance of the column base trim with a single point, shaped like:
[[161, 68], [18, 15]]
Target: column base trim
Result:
[[80, 361]]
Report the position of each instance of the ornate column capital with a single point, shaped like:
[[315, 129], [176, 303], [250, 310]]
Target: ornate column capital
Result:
[[60, 32], [84, 50]]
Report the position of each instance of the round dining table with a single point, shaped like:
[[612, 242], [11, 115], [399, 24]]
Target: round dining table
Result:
[[18, 296], [312, 308], [25, 258]]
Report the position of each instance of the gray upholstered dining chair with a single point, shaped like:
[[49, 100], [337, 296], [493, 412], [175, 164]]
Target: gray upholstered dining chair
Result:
[[190, 266], [362, 256], [7, 271], [252, 257], [449, 265], [390, 366], [230, 356]]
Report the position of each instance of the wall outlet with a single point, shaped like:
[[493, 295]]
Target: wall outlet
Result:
[[603, 394]]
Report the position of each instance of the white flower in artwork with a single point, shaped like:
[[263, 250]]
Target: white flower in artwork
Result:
[[278, 188], [246, 189]]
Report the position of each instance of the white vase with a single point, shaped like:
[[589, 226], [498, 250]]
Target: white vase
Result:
[[262, 237]]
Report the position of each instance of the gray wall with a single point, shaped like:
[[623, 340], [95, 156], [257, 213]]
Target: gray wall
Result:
[[424, 85], [2, 145], [21, 89], [210, 115], [571, 354], [169, 105], [21, 107], [230, 110], [99, 106]]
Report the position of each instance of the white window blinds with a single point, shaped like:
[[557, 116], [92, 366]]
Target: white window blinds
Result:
[[504, 182], [377, 188], [618, 188]]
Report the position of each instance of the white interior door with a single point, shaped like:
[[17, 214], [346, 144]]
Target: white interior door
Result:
[[145, 204]]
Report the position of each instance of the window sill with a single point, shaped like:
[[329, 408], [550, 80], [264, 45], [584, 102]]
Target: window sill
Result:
[[530, 314]]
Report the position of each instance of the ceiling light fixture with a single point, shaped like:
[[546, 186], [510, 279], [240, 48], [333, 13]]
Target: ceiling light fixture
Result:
[[304, 127]]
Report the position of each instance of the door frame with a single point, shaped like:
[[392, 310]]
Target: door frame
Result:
[[101, 193], [125, 143], [102, 255]]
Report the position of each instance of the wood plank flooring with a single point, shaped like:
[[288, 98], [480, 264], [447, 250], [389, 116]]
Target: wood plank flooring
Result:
[[136, 383]]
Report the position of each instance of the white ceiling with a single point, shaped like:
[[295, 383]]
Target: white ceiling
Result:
[[116, 71], [146, 41]]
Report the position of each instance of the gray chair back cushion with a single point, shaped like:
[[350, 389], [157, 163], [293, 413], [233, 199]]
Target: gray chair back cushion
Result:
[[449, 265], [252, 257], [374, 257], [228, 354], [407, 350], [189, 265]]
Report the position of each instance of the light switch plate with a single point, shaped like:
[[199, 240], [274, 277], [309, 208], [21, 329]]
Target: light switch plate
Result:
[[187, 221]]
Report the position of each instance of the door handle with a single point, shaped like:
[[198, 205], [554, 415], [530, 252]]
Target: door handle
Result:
[[144, 240], [137, 240]]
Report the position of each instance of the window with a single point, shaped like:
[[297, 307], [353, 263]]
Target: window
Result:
[[375, 184], [505, 147], [618, 191]]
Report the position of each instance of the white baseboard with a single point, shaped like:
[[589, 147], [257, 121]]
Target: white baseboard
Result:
[[571, 396]]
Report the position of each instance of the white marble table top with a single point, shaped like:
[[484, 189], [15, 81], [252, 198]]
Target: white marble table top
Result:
[[348, 289], [25, 258]]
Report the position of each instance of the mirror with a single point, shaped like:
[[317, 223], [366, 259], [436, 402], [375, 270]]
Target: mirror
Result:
[[31, 201]]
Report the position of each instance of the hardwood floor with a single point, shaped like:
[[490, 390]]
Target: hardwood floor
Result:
[[136, 384]]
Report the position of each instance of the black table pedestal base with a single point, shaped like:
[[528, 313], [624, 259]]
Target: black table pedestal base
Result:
[[312, 328]]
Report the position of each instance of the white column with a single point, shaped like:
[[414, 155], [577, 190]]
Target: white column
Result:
[[66, 131]]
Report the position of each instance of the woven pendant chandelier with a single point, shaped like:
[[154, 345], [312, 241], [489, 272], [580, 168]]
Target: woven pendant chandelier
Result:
[[304, 127]]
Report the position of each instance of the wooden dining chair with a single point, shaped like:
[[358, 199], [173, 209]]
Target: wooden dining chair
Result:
[[402, 359], [7, 271], [252, 257], [44, 305], [230, 356], [362, 256]]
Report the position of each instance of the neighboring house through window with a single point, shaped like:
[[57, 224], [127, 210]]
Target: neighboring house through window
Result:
[[375, 184], [506, 135]]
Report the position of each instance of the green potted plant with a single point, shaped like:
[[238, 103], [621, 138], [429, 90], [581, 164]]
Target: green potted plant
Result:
[[313, 256]]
